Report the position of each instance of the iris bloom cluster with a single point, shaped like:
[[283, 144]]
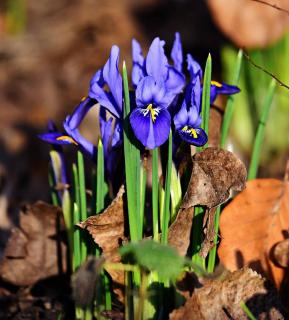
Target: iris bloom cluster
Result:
[[162, 100]]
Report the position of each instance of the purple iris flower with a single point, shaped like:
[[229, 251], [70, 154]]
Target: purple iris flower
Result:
[[112, 101], [216, 87], [157, 84], [156, 65], [188, 120], [221, 88]]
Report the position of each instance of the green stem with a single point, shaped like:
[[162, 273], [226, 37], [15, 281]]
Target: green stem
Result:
[[155, 192], [82, 197], [167, 215], [213, 252], [206, 95], [247, 311], [254, 164], [100, 182], [131, 156], [230, 102]]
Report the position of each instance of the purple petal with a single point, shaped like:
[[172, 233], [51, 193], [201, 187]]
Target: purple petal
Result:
[[80, 140], [80, 111], [222, 88], [175, 81], [151, 133], [117, 135], [181, 118], [196, 94], [156, 61], [57, 138], [177, 53], [149, 91], [113, 78], [138, 71], [194, 68], [194, 136], [194, 118]]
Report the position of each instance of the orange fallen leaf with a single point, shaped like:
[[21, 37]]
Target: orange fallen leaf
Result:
[[252, 224], [251, 24]]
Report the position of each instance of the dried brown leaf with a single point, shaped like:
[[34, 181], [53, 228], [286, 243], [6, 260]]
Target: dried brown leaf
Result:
[[280, 253], [258, 24], [252, 224], [108, 231], [180, 231], [215, 173], [220, 299], [35, 250]]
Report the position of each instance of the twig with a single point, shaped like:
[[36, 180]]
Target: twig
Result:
[[282, 84], [272, 6]]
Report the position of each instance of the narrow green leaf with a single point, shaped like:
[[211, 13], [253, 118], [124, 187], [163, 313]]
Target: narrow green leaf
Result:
[[100, 182], [206, 95], [166, 217], [82, 196], [254, 164], [247, 311], [176, 192], [213, 251], [130, 166], [155, 191], [230, 102]]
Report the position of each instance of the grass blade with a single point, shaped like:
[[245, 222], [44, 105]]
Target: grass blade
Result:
[[155, 193], [166, 215], [230, 102], [247, 311], [254, 164]]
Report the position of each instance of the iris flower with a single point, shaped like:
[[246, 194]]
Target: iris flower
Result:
[[157, 84], [188, 120], [110, 100]]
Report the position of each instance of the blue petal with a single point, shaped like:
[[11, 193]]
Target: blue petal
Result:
[[156, 61], [177, 53], [80, 111], [222, 88], [194, 68], [150, 91], [113, 78], [194, 136], [86, 145], [175, 81], [151, 134], [112, 101], [57, 138], [181, 118], [138, 71], [196, 93], [117, 135]]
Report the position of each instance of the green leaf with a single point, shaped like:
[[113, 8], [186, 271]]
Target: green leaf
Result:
[[154, 256]]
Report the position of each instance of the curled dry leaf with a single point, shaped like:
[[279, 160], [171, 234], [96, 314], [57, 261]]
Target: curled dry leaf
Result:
[[280, 253], [215, 172], [84, 281], [108, 231], [250, 24], [180, 231], [220, 299], [252, 224], [35, 250]]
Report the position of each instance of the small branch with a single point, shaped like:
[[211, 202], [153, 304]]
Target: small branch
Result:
[[282, 84], [272, 6]]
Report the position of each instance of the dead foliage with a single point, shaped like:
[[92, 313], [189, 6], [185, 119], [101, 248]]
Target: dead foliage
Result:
[[252, 224], [108, 232], [215, 173], [221, 298], [36, 250], [250, 24]]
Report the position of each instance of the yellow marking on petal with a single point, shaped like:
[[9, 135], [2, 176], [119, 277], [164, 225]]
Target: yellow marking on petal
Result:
[[83, 98], [153, 112], [216, 83], [67, 138], [191, 131]]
